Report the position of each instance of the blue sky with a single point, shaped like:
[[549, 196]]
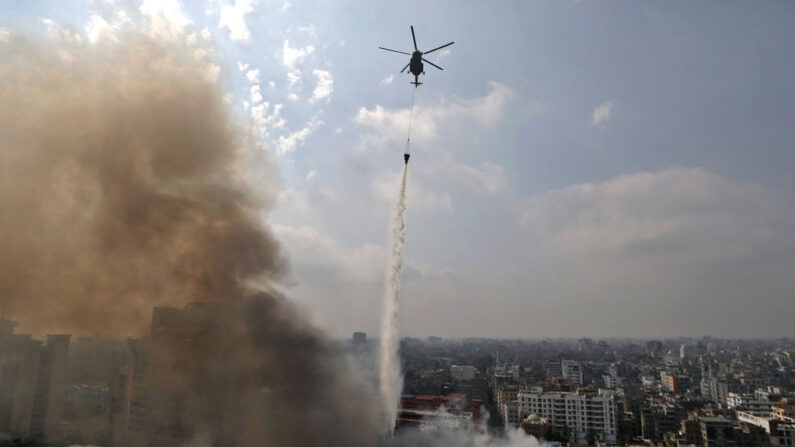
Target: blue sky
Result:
[[579, 168]]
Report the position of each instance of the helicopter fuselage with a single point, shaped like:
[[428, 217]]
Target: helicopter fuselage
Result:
[[416, 66]]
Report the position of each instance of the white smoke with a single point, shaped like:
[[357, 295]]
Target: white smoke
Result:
[[391, 379], [463, 438]]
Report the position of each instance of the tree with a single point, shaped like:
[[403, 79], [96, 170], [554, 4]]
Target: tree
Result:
[[590, 437], [560, 434]]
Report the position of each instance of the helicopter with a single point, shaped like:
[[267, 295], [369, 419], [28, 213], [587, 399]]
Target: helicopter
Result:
[[415, 63]]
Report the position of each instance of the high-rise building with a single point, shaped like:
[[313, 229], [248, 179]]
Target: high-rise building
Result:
[[32, 384], [120, 390], [170, 387], [582, 413]]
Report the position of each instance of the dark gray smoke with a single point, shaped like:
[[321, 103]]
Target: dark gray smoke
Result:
[[120, 190]]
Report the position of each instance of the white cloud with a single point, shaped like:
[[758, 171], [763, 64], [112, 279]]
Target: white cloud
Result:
[[253, 75], [308, 249], [602, 114], [324, 87], [293, 140], [233, 17], [311, 175], [388, 126], [421, 197], [271, 84], [309, 30], [441, 54], [265, 118], [241, 66], [49, 24], [286, 6], [654, 243], [687, 212], [293, 56], [255, 94], [387, 80], [489, 178]]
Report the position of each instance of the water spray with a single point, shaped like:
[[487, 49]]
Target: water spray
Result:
[[390, 375]]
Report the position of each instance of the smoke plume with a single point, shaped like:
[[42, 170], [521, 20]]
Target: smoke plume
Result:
[[121, 189], [391, 380]]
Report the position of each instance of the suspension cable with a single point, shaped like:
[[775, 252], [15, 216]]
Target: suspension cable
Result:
[[411, 119]]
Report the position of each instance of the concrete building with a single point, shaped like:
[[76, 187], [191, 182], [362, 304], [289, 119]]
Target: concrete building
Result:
[[120, 389], [717, 432], [671, 359], [553, 369], [463, 372], [657, 422], [507, 370], [746, 403], [580, 412], [715, 389], [170, 389], [32, 384], [510, 414], [504, 395], [571, 369], [668, 382], [784, 409], [687, 351]]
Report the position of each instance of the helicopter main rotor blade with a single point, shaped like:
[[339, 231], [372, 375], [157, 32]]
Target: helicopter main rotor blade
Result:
[[414, 38], [404, 68], [426, 60], [395, 51], [439, 48]]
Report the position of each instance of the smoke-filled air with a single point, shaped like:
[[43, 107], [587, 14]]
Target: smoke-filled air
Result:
[[121, 191], [121, 188]]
